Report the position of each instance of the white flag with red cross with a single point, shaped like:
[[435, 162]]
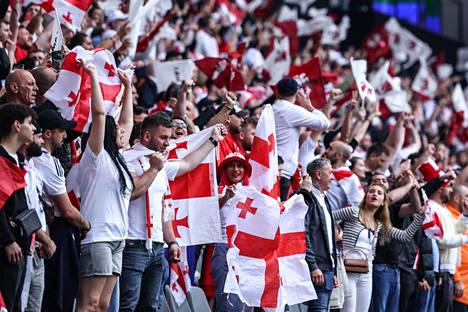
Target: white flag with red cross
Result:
[[195, 194], [425, 83], [179, 278], [72, 12], [460, 105], [71, 93], [264, 155], [278, 62], [266, 256], [365, 89]]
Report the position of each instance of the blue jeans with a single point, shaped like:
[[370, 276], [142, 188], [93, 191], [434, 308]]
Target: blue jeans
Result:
[[141, 277], [219, 269], [426, 300], [385, 288], [323, 294]]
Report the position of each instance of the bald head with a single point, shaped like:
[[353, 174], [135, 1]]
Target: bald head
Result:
[[338, 153], [45, 77], [459, 194], [21, 87]]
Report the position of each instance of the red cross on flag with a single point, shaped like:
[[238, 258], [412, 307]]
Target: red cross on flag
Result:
[[71, 93], [266, 256], [195, 194], [70, 12], [179, 278], [424, 83], [365, 89], [222, 72], [376, 45], [264, 155]]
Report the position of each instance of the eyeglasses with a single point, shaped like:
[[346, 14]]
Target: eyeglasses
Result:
[[175, 124]]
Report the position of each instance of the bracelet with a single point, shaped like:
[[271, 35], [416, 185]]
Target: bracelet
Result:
[[213, 141], [172, 242]]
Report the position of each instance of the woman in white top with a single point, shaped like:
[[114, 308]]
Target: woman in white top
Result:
[[361, 229], [105, 186]]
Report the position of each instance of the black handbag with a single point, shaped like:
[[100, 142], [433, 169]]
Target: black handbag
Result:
[[28, 222]]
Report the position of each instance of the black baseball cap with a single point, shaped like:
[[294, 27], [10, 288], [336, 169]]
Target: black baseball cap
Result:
[[52, 119]]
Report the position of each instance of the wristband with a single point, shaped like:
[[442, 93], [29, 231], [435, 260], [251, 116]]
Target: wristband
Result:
[[172, 242], [213, 141]]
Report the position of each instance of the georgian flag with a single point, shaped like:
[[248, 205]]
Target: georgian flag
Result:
[[460, 105], [432, 225], [334, 34], [376, 45], [222, 72], [425, 83], [179, 278], [72, 12], [278, 62], [350, 184], [405, 46], [309, 77], [266, 256], [230, 11], [195, 205], [365, 89], [71, 93], [264, 155]]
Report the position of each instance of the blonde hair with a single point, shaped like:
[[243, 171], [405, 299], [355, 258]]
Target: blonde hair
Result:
[[382, 214]]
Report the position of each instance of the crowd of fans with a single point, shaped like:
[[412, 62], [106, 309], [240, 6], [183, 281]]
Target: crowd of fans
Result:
[[368, 181]]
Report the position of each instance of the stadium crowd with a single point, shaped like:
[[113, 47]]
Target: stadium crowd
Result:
[[386, 190]]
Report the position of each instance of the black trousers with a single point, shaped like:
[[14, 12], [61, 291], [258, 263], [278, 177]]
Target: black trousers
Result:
[[11, 281], [459, 307], [444, 293], [62, 270], [285, 183], [409, 291]]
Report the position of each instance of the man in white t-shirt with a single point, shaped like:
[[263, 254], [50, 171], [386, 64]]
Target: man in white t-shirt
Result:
[[206, 44], [149, 225], [289, 118], [61, 271]]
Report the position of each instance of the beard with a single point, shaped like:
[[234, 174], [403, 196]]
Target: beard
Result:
[[34, 150]]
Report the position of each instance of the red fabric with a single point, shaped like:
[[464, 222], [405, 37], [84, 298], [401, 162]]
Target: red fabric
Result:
[[143, 43], [376, 45], [289, 28], [341, 174], [20, 53], [206, 279], [309, 76], [227, 146], [2, 303], [11, 181], [222, 72]]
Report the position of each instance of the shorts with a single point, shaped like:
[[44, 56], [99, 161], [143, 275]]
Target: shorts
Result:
[[101, 258]]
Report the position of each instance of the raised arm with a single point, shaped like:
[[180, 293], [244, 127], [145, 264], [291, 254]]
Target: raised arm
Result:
[[96, 134], [346, 214], [409, 232], [192, 160], [223, 114], [126, 114], [182, 98]]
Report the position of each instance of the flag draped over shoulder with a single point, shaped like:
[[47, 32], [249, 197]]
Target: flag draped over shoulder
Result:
[[195, 194], [11, 181], [71, 93]]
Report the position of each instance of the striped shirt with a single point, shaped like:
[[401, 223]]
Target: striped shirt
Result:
[[353, 227]]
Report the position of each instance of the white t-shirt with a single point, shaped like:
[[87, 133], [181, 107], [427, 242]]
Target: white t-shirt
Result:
[[206, 44], [137, 228], [34, 188], [288, 119], [102, 201], [328, 220], [53, 176]]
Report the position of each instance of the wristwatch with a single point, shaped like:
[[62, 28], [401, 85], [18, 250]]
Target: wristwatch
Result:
[[172, 242]]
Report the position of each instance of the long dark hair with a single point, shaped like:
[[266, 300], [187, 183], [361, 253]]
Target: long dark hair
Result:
[[110, 146]]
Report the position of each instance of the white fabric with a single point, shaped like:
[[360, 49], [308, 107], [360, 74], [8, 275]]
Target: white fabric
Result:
[[137, 228], [278, 61], [365, 89], [173, 72], [360, 286], [460, 104], [180, 285], [102, 201], [206, 44], [246, 276], [53, 176], [307, 151], [288, 120], [34, 188]]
